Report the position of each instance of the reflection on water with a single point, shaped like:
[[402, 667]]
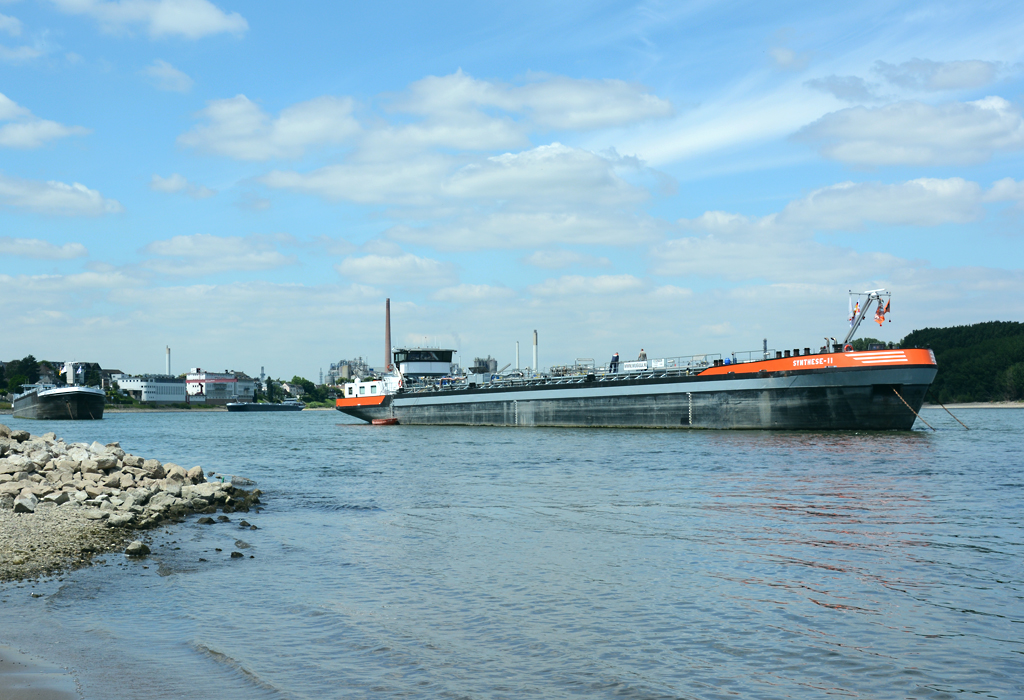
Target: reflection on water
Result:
[[491, 562]]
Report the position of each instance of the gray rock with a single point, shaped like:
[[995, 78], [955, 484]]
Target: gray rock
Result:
[[105, 461], [126, 481], [78, 454], [89, 466], [26, 503], [133, 461], [162, 501], [5, 431], [20, 435], [195, 475], [95, 514], [176, 473], [120, 519], [137, 549], [98, 449], [237, 555], [6, 501], [153, 468], [57, 497]]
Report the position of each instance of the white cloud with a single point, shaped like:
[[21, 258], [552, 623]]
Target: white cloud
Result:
[[788, 59], [399, 270], [848, 88], [549, 102], [1005, 190], [553, 176], [782, 247], [580, 288], [238, 128], [177, 183], [914, 133], [19, 54], [921, 202], [55, 198], [191, 19], [472, 294], [533, 229], [24, 130], [558, 259], [10, 25], [919, 74], [202, 254], [40, 250], [166, 77]]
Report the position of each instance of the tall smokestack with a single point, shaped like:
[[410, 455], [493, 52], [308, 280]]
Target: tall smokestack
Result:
[[517, 355], [536, 369], [168, 368], [387, 334]]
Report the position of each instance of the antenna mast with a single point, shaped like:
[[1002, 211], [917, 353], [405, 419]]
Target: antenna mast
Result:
[[873, 295]]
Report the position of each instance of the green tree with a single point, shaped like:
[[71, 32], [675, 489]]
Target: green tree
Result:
[[27, 368]]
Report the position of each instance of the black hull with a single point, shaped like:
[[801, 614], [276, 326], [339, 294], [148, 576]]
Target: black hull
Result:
[[61, 406], [858, 399], [261, 407]]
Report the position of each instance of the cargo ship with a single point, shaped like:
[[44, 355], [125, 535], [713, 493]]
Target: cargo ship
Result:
[[252, 407], [52, 402], [834, 388]]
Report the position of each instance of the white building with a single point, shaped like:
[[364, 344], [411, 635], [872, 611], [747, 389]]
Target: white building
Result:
[[152, 388], [219, 387]]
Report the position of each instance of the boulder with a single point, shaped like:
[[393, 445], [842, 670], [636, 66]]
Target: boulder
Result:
[[26, 503], [137, 549], [133, 461], [162, 501], [105, 461], [19, 435], [195, 475], [126, 481], [120, 519], [66, 465], [78, 454], [175, 473], [12, 464], [153, 469], [5, 431], [95, 514], [112, 480], [48, 437], [90, 466], [97, 449], [57, 497]]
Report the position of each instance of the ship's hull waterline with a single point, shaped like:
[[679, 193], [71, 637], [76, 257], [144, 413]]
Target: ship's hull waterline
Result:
[[60, 405], [868, 398]]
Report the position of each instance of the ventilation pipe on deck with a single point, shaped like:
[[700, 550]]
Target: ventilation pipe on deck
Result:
[[168, 367], [387, 334], [536, 369], [517, 355]]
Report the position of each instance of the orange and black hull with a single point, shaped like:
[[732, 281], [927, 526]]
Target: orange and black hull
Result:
[[835, 391]]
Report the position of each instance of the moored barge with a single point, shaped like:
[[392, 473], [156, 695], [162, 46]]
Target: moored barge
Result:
[[833, 389]]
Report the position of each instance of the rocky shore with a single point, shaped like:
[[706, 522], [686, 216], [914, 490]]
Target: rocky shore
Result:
[[62, 503]]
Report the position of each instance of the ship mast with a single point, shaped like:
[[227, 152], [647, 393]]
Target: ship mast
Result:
[[873, 295]]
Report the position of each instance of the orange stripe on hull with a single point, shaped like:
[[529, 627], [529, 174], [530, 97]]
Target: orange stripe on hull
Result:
[[361, 401], [872, 358]]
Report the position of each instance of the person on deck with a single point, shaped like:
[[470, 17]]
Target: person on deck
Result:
[[613, 366], [643, 356]]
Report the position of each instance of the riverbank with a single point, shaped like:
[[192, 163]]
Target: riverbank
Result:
[[980, 404], [61, 504], [23, 677]]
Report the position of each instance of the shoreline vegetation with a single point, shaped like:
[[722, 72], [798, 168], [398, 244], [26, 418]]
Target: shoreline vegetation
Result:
[[62, 504]]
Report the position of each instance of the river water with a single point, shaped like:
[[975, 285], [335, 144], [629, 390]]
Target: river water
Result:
[[426, 562]]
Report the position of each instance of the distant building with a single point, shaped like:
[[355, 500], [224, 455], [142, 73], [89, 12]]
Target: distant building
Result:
[[152, 388], [219, 387], [293, 389], [344, 370]]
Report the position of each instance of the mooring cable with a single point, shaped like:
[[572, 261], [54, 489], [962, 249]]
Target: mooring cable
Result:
[[954, 417], [912, 410]]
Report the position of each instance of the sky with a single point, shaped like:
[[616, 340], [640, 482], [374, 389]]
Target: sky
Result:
[[247, 182]]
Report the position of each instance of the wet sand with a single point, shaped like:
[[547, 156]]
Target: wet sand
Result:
[[23, 677]]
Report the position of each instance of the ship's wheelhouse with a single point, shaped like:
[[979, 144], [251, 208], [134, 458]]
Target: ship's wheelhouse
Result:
[[423, 362]]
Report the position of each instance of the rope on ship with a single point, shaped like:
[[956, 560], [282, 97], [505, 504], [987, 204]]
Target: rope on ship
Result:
[[912, 410], [954, 417]]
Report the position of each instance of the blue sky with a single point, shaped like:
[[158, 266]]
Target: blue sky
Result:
[[248, 182]]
